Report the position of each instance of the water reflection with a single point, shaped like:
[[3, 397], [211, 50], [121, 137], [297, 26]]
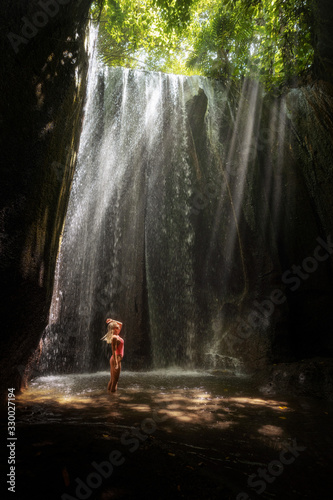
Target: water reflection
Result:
[[196, 398], [213, 424]]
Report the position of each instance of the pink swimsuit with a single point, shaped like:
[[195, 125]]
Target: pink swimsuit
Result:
[[120, 348]]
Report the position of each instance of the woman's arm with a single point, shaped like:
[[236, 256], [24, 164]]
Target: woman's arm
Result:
[[114, 340], [114, 344]]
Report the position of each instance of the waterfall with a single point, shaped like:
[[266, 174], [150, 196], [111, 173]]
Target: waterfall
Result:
[[142, 242]]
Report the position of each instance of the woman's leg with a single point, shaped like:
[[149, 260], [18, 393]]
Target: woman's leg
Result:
[[115, 374], [111, 369]]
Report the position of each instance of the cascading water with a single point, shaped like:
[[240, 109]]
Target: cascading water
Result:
[[146, 235]]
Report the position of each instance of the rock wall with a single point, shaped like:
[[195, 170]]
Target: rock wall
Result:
[[287, 223], [44, 67], [272, 276]]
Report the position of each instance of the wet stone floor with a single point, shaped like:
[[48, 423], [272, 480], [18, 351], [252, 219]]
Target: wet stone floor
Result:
[[169, 435]]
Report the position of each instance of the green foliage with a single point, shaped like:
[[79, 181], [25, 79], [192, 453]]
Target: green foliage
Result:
[[222, 46], [266, 39], [271, 40], [136, 33], [176, 13]]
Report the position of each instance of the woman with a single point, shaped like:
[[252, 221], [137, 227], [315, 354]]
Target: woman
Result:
[[117, 344]]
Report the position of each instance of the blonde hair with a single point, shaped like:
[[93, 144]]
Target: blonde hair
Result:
[[113, 325]]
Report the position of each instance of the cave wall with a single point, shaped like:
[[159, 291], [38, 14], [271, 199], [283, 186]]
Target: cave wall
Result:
[[263, 208], [310, 298], [288, 210], [44, 65], [284, 217]]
